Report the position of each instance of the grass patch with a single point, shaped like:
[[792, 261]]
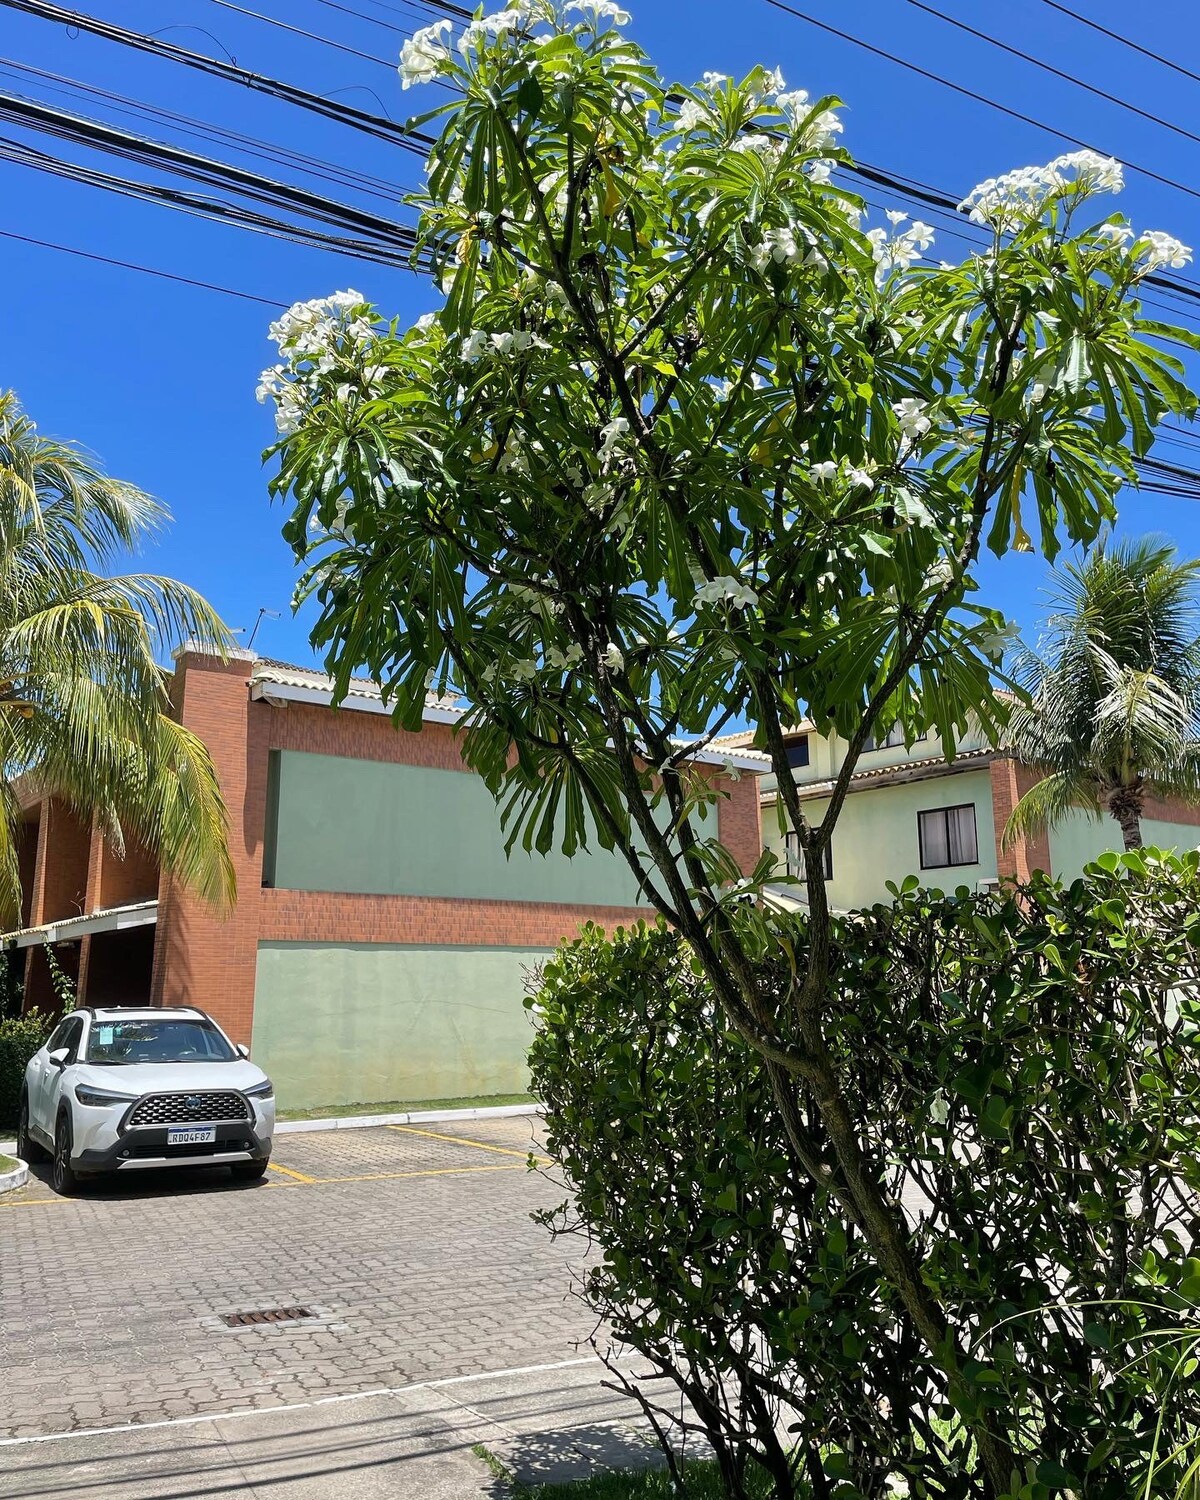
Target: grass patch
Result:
[[6, 1163], [702, 1478], [402, 1106]]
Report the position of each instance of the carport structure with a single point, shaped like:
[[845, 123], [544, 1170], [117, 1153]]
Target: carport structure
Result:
[[96, 907]]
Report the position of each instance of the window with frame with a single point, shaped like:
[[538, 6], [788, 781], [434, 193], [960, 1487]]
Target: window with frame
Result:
[[947, 836], [795, 857], [797, 752]]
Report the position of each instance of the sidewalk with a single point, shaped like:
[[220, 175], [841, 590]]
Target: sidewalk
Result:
[[545, 1424]]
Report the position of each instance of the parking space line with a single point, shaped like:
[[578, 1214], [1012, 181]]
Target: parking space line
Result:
[[462, 1140], [30, 1202], [290, 1172], [423, 1172]]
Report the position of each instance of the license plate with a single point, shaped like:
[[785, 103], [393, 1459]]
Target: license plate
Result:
[[191, 1135]]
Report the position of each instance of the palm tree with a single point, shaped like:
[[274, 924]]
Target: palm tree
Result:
[[84, 708], [1113, 711]]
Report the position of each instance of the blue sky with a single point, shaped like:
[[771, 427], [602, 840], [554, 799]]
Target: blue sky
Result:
[[158, 379]]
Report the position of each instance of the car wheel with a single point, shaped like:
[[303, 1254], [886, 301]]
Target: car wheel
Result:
[[249, 1171], [27, 1148], [62, 1174]]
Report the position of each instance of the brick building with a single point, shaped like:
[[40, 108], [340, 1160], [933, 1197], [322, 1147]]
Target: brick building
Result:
[[381, 939]]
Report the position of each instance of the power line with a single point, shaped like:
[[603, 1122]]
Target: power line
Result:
[[1124, 40], [379, 126], [311, 36], [312, 166], [129, 265], [200, 207], [212, 173], [959, 88], [1054, 72]]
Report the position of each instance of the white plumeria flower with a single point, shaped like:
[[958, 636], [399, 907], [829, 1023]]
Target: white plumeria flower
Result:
[[725, 590], [778, 245], [895, 217], [614, 657], [1118, 234], [912, 416], [563, 661], [823, 130], [595, 11], [820, 171], [860, 479], [715, 80], [792, 104], [692, 115], [822, 473], [425, 322], [488, 28], [611, 435], [424, 55], [1162, 249], [523, 671], [474, 346]]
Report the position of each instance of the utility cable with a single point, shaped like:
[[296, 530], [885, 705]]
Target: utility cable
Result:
[[378, 126], [959, 88], [129, 265], [1037, 62], [1116, 36]]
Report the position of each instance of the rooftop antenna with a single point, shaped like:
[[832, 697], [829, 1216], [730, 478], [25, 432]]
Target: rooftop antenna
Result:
[[270, 614]]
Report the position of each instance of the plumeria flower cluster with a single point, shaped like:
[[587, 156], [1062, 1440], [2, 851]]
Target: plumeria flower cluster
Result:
[[730, 591], [1017, 198], [504, 345], [828, 471], [786, 246], [900, 249], [316, 338], [427, 52]]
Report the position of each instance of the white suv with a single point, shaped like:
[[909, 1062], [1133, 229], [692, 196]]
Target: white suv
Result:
[[115, 1090]]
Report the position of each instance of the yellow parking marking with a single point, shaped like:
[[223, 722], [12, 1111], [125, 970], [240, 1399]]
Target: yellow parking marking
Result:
[[462, 1140], [290, 1172], [29, 1202], [424, 1172]]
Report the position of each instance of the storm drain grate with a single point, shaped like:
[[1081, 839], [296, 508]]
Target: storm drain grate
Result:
[[266, 1315]]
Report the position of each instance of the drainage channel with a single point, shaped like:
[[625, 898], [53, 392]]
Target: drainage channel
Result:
[[267, 1315]]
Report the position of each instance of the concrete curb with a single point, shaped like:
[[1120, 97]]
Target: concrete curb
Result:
[[18, 1177], [359, 1122], [414, 1117]]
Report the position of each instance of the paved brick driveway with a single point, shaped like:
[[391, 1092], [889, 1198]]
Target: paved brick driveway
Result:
[[414, 1246]]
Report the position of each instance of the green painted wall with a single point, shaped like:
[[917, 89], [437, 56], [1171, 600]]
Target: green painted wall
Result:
[[1079, 838], [876, 837], [374, 828], [354, 1023]]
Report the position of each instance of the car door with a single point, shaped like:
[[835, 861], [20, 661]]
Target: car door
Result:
[[39, 1069], [56, 1078]]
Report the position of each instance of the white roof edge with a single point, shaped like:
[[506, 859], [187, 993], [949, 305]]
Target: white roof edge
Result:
[[112, 919], [266, 689]]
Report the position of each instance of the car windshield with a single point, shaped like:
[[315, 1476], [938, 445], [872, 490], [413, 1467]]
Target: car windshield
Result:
[[165, 1041]]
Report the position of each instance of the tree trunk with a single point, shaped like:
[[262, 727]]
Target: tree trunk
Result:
[[1125, 804]]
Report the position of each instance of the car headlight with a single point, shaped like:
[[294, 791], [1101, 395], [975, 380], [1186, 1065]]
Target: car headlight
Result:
[[100, 1098], [263, 1090]]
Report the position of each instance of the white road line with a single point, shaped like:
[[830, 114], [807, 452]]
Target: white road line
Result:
[[263, 1411]]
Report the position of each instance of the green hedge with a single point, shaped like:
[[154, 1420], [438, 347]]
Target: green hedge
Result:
[[20, 1038]]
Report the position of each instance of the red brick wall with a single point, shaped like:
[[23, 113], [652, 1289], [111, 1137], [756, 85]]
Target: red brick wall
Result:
[[331, 917], [61, 875], [1019, 859], [740, 821], [202, 957]]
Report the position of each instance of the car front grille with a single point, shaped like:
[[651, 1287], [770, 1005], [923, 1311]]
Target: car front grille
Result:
[[189, 1108]]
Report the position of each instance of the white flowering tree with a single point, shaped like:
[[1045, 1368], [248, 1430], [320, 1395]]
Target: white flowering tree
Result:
[[682, 444]]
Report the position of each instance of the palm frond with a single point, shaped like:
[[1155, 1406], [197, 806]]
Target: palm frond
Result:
[[1046, 803]]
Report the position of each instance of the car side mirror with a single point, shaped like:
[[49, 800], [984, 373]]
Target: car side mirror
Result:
[[243, 1050], [59, 1056]]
